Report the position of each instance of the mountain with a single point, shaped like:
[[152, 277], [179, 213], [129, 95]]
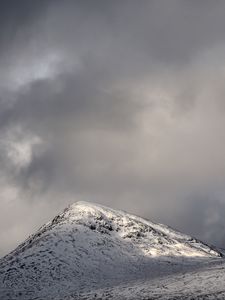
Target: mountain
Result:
[[93, 252]]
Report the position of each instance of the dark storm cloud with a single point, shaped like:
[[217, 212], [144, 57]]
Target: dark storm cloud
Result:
[[119, 102], [17, 20]]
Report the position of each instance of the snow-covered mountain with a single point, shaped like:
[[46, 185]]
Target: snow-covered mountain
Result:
[[89, 250]]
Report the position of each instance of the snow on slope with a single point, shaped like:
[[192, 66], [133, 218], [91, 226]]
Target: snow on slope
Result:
[[204, 283], [89, 247]]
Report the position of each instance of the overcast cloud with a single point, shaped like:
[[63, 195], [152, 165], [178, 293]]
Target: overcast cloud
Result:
[[116, 102]]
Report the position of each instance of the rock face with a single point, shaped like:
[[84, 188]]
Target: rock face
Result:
[[89, 245]]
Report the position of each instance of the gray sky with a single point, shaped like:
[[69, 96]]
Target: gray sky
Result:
[[116, 102]]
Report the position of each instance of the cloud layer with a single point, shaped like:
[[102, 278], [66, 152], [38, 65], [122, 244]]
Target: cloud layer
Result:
[[116, 102]]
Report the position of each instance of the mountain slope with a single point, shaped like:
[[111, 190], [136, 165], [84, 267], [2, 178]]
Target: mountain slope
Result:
[[91, 246]]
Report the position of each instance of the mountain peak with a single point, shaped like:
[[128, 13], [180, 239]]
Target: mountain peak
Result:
[[88, 242], [84, 206], [82, 210], [150, 238]]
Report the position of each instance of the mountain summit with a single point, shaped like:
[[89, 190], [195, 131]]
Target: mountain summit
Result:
[[92, 245]]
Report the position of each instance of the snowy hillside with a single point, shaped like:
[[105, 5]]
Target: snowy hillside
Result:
[[89, 248]]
